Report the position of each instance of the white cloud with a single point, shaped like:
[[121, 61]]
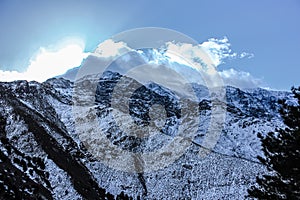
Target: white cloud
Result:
[[110, 49], [47, 64], [10, 76], [105, 53], [220, 50], [214, 51], [246, 55], [184, 53], [240, 79]]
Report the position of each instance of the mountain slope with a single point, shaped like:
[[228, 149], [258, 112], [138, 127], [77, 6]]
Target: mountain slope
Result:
[[37, 121]]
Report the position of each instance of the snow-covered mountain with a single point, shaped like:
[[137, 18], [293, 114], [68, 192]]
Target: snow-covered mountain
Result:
[[43, 155]]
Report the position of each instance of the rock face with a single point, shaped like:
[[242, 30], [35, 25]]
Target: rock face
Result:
[[43, 156]]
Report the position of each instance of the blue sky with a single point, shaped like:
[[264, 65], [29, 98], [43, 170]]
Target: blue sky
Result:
[[270, 29]]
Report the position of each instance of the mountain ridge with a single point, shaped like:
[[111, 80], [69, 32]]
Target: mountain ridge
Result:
[[49, 104]]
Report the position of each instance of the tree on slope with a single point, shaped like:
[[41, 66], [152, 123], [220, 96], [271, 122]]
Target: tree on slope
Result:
[[282, 157]]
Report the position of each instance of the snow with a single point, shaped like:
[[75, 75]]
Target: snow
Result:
[[225, 173]]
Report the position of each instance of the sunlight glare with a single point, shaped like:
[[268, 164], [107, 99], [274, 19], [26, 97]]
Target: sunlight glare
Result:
[[48, 64]]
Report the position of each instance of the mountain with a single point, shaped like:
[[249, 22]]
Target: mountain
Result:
[[70, 74], [49, 148]]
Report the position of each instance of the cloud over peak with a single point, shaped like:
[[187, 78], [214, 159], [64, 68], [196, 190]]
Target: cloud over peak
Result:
[[220, 50], [110, 49], [240, 79], [47, 64]]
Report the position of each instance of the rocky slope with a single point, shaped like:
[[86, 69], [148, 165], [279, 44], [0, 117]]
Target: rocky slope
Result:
[[42, 154]]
